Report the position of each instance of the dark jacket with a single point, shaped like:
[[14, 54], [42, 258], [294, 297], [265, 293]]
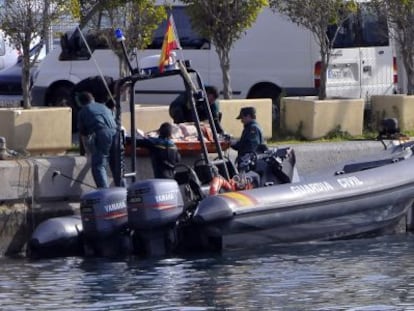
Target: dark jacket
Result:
[[181, 110], [251, 138], [164, 155], [216, 114]]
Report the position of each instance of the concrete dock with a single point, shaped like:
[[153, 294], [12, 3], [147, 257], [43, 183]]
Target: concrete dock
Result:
[[37, 188]]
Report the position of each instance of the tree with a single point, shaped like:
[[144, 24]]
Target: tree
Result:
[[400, 16], [316, 16], [223, 22], [26, 21], [137, 18]]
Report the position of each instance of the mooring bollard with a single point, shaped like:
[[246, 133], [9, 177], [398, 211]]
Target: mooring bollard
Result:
[[3, 149]]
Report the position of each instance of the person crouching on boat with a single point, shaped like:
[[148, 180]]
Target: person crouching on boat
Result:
[[252, 135], [164, 152], [212, 96]]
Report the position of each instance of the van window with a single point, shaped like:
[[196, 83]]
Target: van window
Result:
[[74, 47], [366, 28], [189, 38]]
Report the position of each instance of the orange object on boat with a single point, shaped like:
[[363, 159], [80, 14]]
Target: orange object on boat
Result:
[[218, 183]]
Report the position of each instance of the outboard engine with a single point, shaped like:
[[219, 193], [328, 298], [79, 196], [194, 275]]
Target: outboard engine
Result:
[[154, 206], [56, 237], [104, 219]]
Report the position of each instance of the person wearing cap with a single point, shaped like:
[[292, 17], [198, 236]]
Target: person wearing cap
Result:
[[252, 135]]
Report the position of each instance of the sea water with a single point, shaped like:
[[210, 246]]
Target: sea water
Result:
[[365, 274]]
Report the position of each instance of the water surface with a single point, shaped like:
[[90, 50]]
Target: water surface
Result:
[[369, 274]]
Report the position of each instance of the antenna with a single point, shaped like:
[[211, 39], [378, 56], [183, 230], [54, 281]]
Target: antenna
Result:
[[121, 39]]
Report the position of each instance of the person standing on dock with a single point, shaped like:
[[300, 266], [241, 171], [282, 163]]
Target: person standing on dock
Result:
[[97, 127]]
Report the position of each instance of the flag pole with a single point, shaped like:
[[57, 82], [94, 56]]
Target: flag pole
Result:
[[170, 42]]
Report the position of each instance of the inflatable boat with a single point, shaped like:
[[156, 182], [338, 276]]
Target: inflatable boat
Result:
[[213, 205], [198, 211]]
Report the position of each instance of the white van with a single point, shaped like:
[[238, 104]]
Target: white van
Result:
[[275, 57], [9, 54]]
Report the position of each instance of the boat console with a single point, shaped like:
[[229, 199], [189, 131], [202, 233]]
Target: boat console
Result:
[[273, 166]]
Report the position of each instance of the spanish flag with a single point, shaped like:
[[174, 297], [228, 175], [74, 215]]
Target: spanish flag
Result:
[[171, 42]]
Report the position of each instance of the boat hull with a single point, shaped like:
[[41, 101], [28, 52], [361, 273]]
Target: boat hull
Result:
[[331, 206], [57, 237], [363, 198], [267, 229]]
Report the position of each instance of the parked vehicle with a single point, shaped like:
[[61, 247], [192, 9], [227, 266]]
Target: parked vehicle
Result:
[[11, 80], [9, 54], [275, 57], [11, 86]]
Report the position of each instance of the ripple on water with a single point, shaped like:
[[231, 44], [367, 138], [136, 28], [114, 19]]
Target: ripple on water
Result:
[[358, 275]]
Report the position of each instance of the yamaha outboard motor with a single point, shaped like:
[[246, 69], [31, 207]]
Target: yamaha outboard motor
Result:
[[56, 237], [104, 219], [154, 206]]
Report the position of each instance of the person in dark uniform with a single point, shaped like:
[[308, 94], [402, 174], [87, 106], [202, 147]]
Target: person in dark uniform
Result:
[[101, 88], [164, 152], [180, 109], [212, 95], [97, 128], [252, 136]]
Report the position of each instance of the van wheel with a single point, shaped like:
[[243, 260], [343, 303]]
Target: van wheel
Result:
[[267, 90], [61, 97]]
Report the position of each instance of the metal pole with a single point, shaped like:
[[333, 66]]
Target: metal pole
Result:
[[119, 143], [190, 83], [133, 132], [213, 128]]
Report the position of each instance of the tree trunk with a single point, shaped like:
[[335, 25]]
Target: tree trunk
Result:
[[325, 49], [225, 68], [410, 81], [409, 70], [323, 78], [26, 80]]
